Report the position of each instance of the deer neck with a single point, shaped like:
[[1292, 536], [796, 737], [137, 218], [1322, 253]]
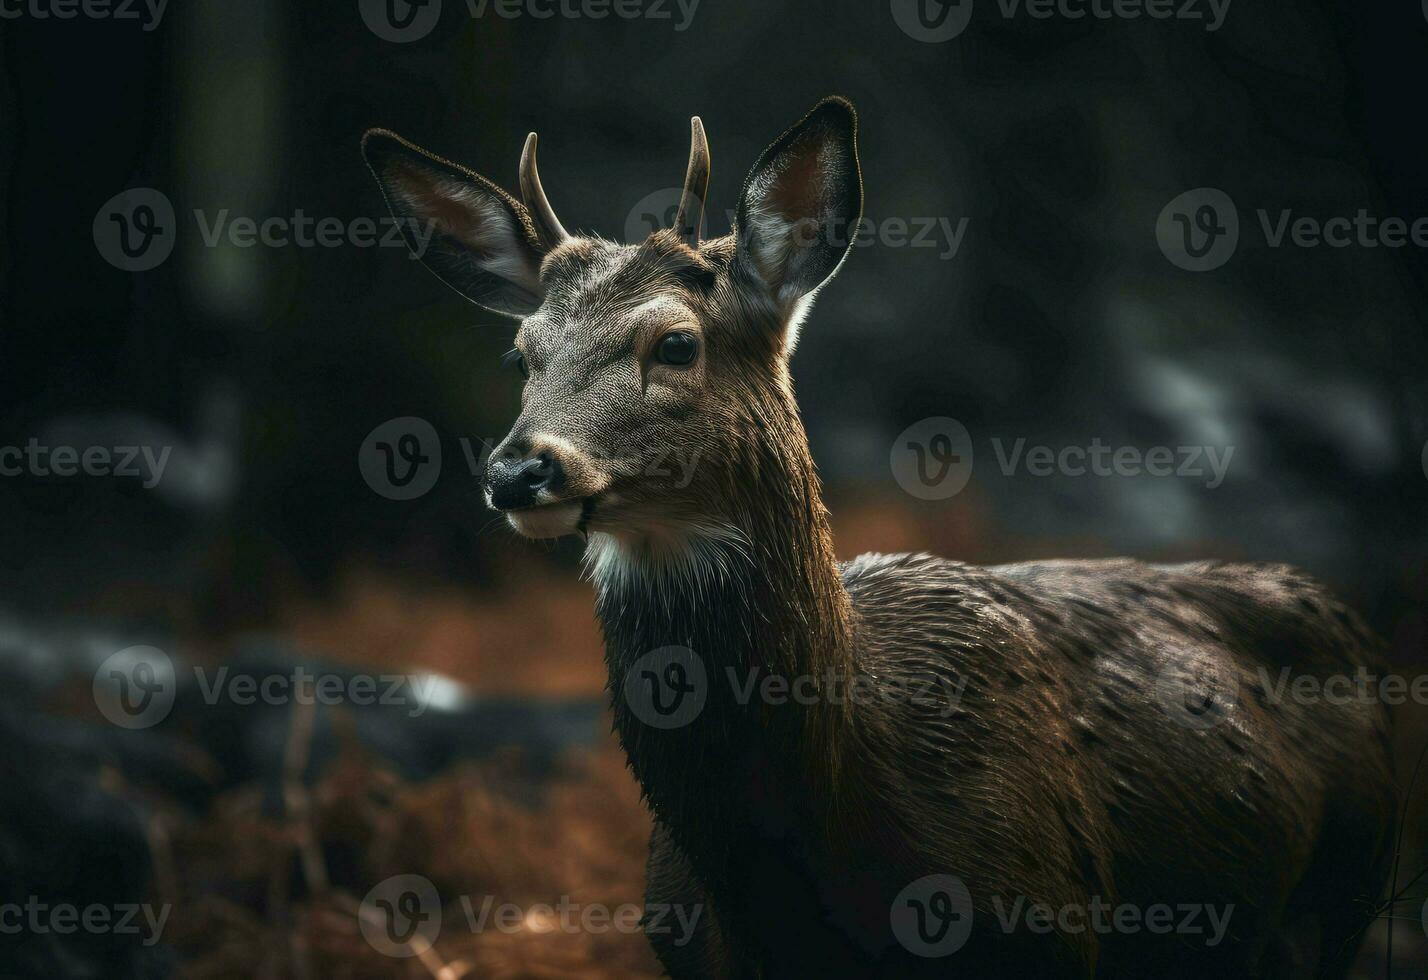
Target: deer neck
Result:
[[757, 599]]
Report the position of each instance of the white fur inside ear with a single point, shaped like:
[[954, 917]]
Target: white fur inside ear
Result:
[[504, 244], [770, 243], [478, 221]]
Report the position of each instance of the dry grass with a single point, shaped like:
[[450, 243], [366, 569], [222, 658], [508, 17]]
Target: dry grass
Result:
[[246, 904]]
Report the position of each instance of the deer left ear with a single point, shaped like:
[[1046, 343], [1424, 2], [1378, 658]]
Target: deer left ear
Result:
[[800, 205], [476, 238]]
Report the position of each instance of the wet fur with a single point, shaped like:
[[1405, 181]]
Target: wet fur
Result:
[[1057, 776]]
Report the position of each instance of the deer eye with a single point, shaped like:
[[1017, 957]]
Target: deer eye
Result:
[[514, 358], [677, 349]]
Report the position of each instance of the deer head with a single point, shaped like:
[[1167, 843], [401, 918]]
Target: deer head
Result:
[[637, 353]]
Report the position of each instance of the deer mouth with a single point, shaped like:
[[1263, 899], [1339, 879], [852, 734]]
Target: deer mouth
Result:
[[552, 520]]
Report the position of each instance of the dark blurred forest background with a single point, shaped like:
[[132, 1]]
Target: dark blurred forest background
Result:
[[263, 369]]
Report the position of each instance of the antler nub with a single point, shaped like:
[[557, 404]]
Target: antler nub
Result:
[[548, 226], [690, 216]]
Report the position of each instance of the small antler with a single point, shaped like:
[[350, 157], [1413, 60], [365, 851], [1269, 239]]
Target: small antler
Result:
[[548, 226], [690, 216]]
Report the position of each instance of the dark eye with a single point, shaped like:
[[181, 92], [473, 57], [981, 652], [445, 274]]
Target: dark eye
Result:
[[514, 358], [677, 349]]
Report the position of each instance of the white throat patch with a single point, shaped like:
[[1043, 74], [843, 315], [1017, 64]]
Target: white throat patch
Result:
[[696, 563]]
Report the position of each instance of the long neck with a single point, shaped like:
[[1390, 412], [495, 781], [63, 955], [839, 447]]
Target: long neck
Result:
[[756, 599]]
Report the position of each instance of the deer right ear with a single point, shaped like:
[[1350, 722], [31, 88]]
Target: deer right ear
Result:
[[801, 204], [474, 236]]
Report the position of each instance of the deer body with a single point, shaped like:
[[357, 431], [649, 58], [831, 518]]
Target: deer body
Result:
[[1006, 727]]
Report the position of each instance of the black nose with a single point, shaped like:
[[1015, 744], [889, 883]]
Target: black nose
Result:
[[514, 479]]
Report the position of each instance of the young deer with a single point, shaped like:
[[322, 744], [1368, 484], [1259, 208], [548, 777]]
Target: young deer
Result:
[[1006, 728]]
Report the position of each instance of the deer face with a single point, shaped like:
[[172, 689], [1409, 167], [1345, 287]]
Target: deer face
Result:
[[656, 373]]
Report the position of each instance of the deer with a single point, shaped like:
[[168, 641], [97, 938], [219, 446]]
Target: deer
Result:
[[967, 742]]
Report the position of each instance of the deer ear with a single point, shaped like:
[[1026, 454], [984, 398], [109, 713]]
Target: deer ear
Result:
[[474, 236], [801, 203]]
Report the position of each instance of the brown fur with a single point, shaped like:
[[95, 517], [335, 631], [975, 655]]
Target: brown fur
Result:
[[1037, 761]]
